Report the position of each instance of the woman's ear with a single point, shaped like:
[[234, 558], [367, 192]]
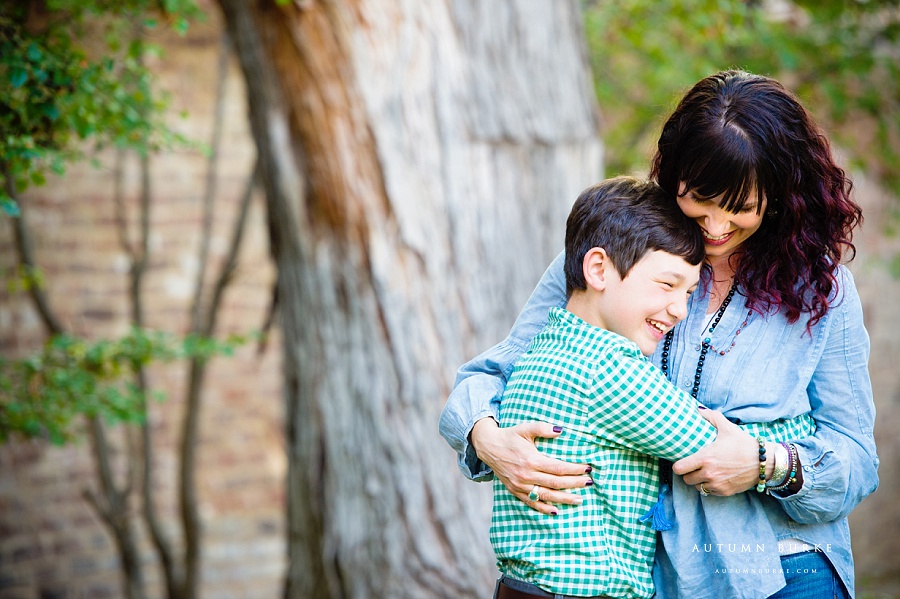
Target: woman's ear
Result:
[[682, 188], [594, 268]]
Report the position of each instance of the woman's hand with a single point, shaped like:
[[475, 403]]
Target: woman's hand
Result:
[[516, 462], [727, 466]]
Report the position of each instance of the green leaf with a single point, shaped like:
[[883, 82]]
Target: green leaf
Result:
[[180, 26], [17, 77], [50, 110], [34, 53], [9, 207]]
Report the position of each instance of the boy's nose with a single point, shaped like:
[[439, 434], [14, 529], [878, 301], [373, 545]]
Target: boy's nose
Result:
[[678, 308]]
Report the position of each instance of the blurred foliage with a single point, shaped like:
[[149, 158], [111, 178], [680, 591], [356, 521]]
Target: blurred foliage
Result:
[[45, 395], [841, 57], [61, 86], [73, 81]]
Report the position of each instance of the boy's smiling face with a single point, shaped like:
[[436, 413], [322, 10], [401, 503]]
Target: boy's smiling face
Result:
[[650, 300]]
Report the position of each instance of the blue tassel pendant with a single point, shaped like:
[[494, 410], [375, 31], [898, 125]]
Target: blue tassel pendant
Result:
[[657, 513]]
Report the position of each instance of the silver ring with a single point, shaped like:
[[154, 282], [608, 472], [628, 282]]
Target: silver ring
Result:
[[703, 490], [534, 496]]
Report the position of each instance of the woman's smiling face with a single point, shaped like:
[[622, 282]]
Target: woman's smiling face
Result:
[[723, 231]]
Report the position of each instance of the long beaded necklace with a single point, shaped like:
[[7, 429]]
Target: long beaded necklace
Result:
[[704, 346], [665, 466]]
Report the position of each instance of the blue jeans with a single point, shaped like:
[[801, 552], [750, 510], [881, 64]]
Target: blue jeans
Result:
[[809, 575]]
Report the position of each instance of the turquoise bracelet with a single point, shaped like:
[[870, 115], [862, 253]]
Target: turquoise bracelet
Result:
[[761, 485], [793, 461]]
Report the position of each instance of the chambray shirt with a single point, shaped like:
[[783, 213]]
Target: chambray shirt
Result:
[[617, 410], [729, 546]]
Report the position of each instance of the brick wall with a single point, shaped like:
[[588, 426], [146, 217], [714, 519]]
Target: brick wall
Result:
[[52, 543]]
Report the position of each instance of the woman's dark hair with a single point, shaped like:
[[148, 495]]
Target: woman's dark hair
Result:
[[735, 133], [628, 218]]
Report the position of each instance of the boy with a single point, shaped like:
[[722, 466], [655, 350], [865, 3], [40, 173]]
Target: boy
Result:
[[632, 260]]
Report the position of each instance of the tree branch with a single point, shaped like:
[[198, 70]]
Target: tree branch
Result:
[[115, 512], [228, 269], [119, 203], [160, 540], [211, 177], [190, 516], [24, 248]]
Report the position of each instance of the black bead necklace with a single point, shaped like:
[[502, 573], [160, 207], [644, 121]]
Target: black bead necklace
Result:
[[704, 346]]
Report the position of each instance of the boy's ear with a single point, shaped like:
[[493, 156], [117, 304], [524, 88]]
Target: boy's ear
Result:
[[594, 268]]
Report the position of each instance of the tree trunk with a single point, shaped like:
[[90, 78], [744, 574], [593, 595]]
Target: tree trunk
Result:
[[419, 159]]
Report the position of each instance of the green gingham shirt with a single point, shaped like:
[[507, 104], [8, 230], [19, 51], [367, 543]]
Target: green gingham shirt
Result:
[[618, 413]]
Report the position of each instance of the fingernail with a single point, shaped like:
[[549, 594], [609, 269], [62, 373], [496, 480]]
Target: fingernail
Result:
[[554, 512], [557, 429], [588, 483], [588, 470], [701, 407]]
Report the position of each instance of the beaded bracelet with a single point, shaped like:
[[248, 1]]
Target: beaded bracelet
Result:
[[793, 461], [761, 485], [782, 461]]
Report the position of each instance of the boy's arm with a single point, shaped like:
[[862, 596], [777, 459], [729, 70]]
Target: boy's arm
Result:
[[637, 407]]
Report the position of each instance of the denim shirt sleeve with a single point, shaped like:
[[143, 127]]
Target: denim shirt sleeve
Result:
[[481, 381], [840, 464]]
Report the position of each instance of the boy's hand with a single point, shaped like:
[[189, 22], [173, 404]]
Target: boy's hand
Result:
[[516, 462], [727, 466]]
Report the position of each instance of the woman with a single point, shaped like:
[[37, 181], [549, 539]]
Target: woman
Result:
[[777, 334]]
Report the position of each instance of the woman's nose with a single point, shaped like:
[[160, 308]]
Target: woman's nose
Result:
[[717, 222]]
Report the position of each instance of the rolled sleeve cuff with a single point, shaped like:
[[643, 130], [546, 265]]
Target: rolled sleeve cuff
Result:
[[473, 398], [469, 464], [824, 496]]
